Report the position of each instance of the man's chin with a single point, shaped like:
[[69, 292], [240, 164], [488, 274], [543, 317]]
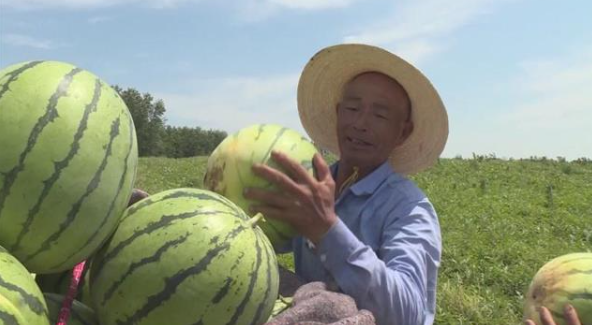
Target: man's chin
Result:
[[359, 160]]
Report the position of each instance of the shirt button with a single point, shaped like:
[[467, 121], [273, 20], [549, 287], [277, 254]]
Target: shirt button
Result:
[[323, 258]]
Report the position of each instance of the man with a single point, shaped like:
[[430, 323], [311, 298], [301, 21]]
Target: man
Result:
[[364, 226]]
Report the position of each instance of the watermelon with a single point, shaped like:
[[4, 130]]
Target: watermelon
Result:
[[80, 314], [68, 163], [564, 280], [9, 314], [228, 169], [185, 256], [21, 301]]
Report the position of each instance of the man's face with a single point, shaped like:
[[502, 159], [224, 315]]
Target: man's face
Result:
[[373, 117]]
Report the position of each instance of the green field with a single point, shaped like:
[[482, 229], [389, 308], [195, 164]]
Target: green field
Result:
[[501, 220]]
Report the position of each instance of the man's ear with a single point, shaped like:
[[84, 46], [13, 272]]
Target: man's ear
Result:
[[406, 132]]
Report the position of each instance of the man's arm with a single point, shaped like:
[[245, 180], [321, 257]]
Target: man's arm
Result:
[[412, 242], [394, 285]]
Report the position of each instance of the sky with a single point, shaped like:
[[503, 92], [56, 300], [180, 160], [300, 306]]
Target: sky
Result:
[[515, 75]]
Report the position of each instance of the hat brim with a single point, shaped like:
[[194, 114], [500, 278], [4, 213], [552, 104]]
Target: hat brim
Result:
[[320, 89]]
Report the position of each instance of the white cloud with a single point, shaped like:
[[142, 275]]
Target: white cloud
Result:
[[26, 41], [416, 29], [555, 93], [231, 104]]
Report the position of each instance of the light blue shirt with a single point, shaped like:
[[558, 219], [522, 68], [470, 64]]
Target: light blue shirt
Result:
[[384, 251]]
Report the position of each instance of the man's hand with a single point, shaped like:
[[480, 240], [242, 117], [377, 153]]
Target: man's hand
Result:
[[569, 313], [305, 202]]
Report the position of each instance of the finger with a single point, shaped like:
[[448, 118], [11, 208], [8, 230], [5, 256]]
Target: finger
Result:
[[276, 177], [546, 317], [529, 322], [322, 169], [571, 316], [268, 197], [292, 167]]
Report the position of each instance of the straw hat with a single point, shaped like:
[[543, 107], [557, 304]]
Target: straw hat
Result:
[[320, 89]]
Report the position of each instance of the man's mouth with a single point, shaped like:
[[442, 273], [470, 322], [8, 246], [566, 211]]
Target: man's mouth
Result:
[[358, 142]]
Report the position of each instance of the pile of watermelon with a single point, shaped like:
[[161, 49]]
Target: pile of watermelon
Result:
[[183, 256]]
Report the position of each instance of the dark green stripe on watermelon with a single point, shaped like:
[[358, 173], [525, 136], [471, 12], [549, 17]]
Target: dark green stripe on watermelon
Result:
[[143, 262], [260, 130], [151, 227], [223, 291], [60, 165], [277, 138], [13, 76], [262, 304], [32, 302], [93, 184], [241, 307], [50, 114], [117, 192], [171, 283], [572, 272], [238, 261], [8, 319]]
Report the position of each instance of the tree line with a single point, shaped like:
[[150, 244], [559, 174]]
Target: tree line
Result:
[[156, 138]]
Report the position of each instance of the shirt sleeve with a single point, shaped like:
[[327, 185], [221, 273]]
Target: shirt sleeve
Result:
[[393, 285]]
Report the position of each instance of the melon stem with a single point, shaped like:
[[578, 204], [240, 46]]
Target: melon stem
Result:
[[253, 221]]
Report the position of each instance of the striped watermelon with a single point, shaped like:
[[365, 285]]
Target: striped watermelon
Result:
[[68, 163], [565, 279], [9, 314], [21, 301], [229, 171], [80, 314], [185, 256]]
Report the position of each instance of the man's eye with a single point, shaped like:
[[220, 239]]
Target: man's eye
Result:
[[383, 117], [350, 108]]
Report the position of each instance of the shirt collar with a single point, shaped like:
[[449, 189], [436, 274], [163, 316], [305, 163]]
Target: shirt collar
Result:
[[371, 182]]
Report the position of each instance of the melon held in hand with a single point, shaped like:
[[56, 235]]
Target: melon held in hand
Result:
[[564, 280], [229, 168]]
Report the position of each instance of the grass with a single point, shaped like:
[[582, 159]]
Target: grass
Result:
[[501, 221]]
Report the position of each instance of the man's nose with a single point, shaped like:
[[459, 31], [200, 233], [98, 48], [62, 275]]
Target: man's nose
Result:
[[361, 121]]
